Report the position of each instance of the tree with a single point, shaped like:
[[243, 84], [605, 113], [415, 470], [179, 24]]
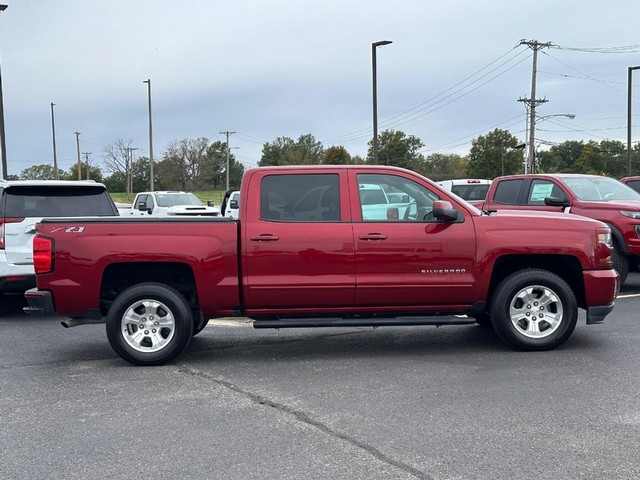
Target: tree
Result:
[[216, 167], [94, 173], [118, 158], [591, 160], [284, 151], [441, 166], [560, 158], [183, 165], [493, 154], [40, 172], [399, 149], [336, 156]]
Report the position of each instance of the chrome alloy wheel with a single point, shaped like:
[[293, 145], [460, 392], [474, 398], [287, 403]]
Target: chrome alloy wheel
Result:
[[148, 325], [536, 311]]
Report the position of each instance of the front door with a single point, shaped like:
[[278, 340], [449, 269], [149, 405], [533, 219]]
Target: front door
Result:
[[405, 257]]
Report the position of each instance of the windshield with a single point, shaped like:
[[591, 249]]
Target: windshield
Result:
[[600, 189], [175, 199]]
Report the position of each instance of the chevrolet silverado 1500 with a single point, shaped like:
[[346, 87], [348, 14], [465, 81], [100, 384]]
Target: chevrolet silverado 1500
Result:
[[308, 252]]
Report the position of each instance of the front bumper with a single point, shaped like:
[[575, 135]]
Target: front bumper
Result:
[[40, 303]]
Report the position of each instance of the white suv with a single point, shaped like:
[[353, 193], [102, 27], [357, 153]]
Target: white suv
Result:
[[23, 203]]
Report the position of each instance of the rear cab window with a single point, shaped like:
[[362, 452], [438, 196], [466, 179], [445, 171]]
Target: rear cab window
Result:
[[54, 201], [508, 192]]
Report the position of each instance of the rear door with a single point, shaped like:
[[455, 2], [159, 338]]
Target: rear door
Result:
[[298, 241], [27, 205]]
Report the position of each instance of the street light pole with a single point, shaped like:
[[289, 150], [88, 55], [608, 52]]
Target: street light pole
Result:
[[56, 175], [3, 143], [375, 96], [629, 76], [148, 82]]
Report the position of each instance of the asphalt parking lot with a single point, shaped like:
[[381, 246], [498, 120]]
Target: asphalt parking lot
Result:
[[406, 402]]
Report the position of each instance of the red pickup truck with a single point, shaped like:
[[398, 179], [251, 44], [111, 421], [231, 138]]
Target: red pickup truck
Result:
[[309, 251], [592, 196]]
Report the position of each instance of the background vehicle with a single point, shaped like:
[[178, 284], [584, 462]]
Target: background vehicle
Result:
[[472, 190], [308, 253], [231, 204], [163, 203], [592, 196], [633, 182], [23, 204]]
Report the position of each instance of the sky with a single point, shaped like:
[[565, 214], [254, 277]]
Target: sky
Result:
[[285, 68]]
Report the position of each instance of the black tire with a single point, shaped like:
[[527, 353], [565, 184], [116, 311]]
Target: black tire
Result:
[[149, 324], [534, 310], [620, 262]]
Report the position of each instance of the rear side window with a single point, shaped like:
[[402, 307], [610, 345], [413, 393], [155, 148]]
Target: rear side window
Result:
[[508, 192], [635, 184], [47, 201], [300, 198]]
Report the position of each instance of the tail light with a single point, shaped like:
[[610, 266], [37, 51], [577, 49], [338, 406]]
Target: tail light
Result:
[[604, 248], [2, 223], [42, 254]]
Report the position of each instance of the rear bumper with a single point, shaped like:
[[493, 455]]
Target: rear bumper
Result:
[[40, 303], [17, 283]]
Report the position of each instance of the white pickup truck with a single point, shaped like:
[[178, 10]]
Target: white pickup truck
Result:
[[162, 203]]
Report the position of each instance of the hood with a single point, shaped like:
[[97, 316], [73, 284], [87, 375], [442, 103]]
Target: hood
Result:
[[609, 205], [194, 210]]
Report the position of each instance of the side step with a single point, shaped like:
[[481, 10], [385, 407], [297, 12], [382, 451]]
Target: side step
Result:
[[360, 322]]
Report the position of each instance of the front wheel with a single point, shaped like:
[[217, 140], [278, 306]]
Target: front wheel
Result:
[[149, 324], [620, 262], [534, 310]]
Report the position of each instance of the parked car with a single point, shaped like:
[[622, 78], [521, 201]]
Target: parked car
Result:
[[592, 196], [162, 203], [633, 182], [231, 204], [470, 189], [23, 204]]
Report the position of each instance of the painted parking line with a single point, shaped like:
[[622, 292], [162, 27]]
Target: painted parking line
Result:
[[630, 295]]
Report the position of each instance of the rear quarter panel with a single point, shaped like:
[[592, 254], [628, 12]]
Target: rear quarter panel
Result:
[[84, 248]]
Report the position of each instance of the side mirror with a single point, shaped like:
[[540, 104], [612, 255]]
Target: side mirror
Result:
[[556, 202], [142, 206], [444, 211], [233, 204], [210, 203]]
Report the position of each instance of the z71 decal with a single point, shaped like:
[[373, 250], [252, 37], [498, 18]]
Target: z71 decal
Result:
[[67, 229]]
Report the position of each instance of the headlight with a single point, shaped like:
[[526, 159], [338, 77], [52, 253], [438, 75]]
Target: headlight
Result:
[[631, 214]]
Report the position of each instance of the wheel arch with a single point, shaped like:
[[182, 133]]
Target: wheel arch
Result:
[[565, 266], [118, 277]]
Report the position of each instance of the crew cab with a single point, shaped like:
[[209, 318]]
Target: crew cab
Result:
[[162, 203], [289, 263], [593, 196]]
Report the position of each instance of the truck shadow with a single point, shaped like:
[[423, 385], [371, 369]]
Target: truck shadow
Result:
[[352, 344]]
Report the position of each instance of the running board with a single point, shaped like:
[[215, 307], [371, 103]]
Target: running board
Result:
[[360, 322]]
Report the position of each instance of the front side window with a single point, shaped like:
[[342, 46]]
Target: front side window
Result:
[[300, 197], [541, 189], [508, 192], [386, 197]]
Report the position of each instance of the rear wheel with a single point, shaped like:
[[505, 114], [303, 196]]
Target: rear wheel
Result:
[[149, 324], [534, 310]]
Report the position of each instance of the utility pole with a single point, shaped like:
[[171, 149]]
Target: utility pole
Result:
[[227, 133], [3, 140], [86, 159], [77, 134], [129, 164], [533, 102]]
